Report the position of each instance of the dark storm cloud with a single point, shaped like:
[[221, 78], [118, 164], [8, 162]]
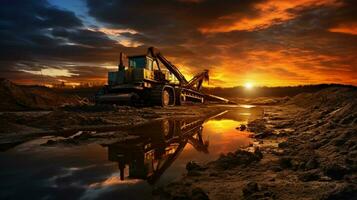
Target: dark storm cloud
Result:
[[166, 22], [35, 35], [85, 37], [146, 15]]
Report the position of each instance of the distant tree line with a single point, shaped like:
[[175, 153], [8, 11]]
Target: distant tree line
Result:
[[268, 91]]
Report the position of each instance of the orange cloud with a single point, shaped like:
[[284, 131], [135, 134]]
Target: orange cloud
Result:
[[270, 13], [277, 68], [350, 28]]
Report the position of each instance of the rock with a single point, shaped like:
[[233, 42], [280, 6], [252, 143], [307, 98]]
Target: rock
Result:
[[193, 173], [352, 148], [352, 154], [264, 134], [278, 152], [312, 163], [198, 194], [309, 176], [253, 191], [296, 164], [285, 162], [83, 136], [351, 145], [193, 169], [242, 127], [240, 157], [250, 188], [213, 174], [257, 125], [276, 168], [283, 144], [321, 143], [335, 171], [51, 142], [338, 142], [192, 165], [345, 192]]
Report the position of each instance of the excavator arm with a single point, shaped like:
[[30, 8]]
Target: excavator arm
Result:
[[171, 67], [198, 80], [194, 84]]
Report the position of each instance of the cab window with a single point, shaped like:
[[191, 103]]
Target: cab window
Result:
[[137, 62]]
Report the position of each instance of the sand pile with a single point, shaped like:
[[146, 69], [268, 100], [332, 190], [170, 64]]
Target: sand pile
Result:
[[16, 97]]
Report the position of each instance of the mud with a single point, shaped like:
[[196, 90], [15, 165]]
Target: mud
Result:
[[305, 147], [17, 127], [307, 150]]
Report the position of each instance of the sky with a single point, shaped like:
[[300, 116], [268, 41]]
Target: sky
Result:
[[261, 42]]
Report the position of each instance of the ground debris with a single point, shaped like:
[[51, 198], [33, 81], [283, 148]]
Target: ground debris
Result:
[[254, 191], [312, 175], [192, 165], [242, 127], [343, 192], [198, 194], [240, 157]]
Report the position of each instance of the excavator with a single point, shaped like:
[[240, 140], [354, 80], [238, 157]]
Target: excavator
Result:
[[151, 79]]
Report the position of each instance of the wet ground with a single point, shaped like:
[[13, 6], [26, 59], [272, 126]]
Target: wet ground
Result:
[[305, 149], [156, 155]]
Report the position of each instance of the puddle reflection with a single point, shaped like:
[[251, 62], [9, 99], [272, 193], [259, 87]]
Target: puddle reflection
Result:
[[125, 170], [158, 147], [178, 141]]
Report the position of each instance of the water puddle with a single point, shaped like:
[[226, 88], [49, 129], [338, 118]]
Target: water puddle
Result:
[[124, 170]]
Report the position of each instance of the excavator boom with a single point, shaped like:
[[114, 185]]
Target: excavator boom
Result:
[[171, 67]]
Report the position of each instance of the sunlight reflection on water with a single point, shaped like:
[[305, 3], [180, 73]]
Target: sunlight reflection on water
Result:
[[92, 171]]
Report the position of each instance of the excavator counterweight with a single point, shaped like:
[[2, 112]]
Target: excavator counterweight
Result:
[[153, 80]]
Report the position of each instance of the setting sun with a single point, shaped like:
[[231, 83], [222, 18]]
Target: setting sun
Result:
[[248, 85]]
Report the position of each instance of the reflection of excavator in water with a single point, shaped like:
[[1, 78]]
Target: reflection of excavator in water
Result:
[[149, 156], [143, 80]]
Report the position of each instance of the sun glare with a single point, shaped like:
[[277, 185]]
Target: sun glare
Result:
[[248, 86]]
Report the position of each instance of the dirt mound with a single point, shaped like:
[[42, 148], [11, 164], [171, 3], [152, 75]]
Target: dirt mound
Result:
[[16, 97], [329, 108], [326, 131], [330, 97]]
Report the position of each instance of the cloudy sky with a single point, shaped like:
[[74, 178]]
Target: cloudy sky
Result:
[[265, 42]]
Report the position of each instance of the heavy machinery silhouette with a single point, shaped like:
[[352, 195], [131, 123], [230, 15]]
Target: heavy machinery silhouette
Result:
[[152, 80], [149, 156]]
